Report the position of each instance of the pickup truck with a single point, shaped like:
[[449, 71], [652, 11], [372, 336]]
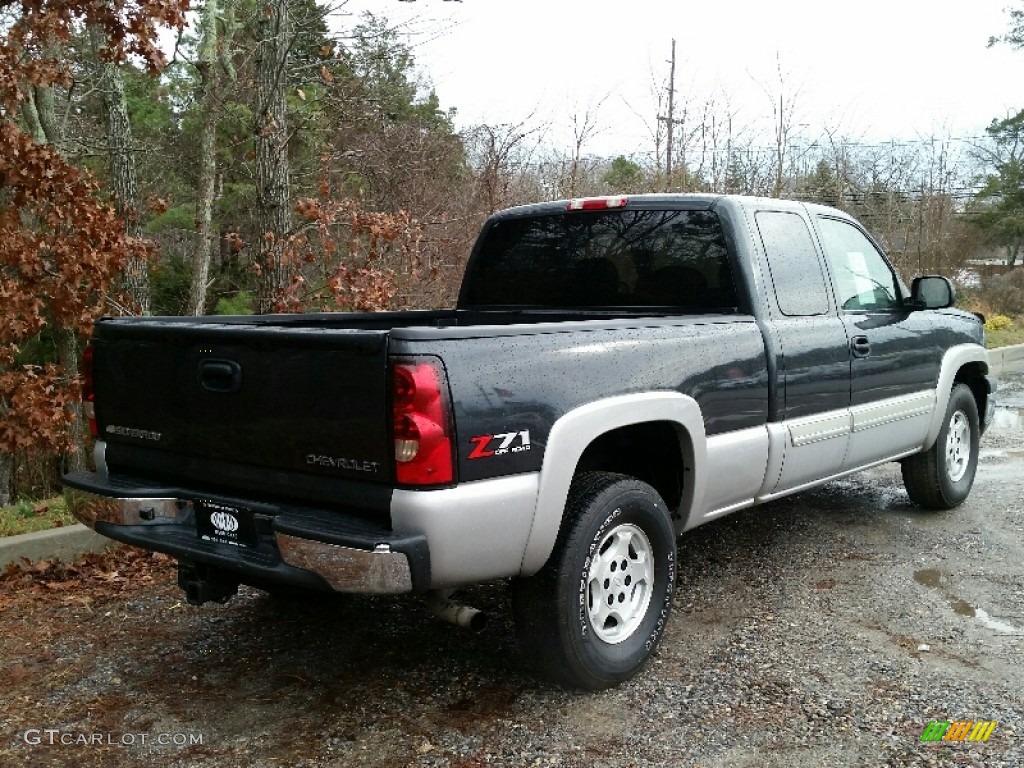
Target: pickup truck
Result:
[[616, 371]]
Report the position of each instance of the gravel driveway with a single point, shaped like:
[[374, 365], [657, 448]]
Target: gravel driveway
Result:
[[824, 630]]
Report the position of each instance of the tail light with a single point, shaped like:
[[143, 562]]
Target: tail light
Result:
[[421, 422], [597, 203], [88, 395]]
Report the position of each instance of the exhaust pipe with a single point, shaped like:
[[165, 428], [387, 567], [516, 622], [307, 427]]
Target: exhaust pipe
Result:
[[441, 605]]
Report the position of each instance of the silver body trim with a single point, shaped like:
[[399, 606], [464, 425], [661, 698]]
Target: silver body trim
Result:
[[820, 426], [952, 361], [475, 532], [578, 428], [887, 428], [740, 460], [893, 409], [821, 481], [808, 448]]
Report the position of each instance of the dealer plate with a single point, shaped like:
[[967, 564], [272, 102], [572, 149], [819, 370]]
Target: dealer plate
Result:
[[225, 524]]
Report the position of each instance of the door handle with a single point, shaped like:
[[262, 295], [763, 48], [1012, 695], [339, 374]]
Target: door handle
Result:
[[860, 346], [220, 375]]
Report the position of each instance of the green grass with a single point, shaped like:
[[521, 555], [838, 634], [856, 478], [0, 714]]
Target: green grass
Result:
[[26, 516], [1006, 336]]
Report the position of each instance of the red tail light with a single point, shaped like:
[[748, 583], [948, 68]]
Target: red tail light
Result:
[[88, 395], [597, 203], [422, 431]]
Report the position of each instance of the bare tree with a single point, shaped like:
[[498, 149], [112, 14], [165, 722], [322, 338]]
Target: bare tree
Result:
[[500, 153], [783, 101], [584, 127]]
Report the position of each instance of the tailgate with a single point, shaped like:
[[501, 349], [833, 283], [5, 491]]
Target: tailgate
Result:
[[243, 396]]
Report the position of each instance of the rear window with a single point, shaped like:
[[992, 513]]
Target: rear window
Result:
[[604, 259]]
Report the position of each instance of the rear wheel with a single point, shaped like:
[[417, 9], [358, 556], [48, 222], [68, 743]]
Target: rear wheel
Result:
[[942, 476], [592, 616]]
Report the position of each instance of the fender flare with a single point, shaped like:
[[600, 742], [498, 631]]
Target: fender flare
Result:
[[577, 429], [953, 360]]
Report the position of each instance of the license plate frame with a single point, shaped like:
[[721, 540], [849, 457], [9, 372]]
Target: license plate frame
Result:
[[225, 524]]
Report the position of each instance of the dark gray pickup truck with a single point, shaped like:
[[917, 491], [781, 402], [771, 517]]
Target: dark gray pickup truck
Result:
[[617, 371]]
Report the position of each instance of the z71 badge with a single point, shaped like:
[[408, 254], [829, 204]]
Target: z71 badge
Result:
[[485, 446]]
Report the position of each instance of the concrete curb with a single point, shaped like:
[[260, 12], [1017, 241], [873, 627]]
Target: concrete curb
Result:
[[66, 544], [1006, 359]]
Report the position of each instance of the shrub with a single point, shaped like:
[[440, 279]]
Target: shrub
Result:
[[1003, 293], [242, 303], [998, 323]]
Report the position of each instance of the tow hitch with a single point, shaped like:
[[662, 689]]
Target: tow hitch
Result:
[[206, 584]]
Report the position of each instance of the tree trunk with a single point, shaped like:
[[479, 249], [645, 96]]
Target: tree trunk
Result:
[[273, 214], [123, 177], [209, 91], [30, 114], [1012, 251], [6, 471], [67, 353]]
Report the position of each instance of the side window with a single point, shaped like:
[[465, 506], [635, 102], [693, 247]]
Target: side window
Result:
[[863, 280], [794, 264]]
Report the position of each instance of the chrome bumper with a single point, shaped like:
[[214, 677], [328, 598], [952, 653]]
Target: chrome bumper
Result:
[[379, 571]]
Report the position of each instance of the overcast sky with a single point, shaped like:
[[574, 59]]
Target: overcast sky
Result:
[[871, 70]]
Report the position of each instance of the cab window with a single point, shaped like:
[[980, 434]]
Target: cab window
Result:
[[794, 264], [861, 277]]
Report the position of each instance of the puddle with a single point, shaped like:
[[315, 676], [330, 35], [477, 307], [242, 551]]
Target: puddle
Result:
[[929, 577], [1008, 418], [997, 453], [963, 608], [996, 624], [932, 578]]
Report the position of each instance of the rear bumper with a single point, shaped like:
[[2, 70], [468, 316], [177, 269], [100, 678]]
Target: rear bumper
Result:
[[300, 546]]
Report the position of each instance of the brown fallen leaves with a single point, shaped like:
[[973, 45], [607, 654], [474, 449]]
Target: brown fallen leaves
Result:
[[90, 578]]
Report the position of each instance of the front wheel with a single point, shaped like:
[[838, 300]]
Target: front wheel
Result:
[[942, 476], [593, 615]]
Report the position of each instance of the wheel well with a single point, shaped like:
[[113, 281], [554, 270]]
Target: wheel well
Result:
[[973, 376], [652, 452]]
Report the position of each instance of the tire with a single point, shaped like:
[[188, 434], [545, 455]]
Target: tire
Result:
[[942, 476], [593, 615]]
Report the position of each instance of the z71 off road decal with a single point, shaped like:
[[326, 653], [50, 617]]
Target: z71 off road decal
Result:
[[485, 446]]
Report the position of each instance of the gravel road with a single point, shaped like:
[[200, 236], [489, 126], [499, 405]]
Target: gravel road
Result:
[[823, 630]]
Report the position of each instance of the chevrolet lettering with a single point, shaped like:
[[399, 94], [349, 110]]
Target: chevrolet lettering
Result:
[[616, 372], [356, 465], [143, 434]]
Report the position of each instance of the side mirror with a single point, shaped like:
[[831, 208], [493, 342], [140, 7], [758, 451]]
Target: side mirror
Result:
[[932, 292]]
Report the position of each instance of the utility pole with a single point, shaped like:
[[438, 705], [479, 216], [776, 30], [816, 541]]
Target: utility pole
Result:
[[670, 118]]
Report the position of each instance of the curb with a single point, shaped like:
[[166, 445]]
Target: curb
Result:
[[1005, 359], [66, 544]]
